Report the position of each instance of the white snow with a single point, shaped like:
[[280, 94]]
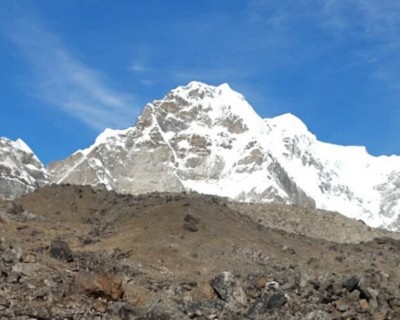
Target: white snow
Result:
[[29, 172], [338, 178], [21, 145]]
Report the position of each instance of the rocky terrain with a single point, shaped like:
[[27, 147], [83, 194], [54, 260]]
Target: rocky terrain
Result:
[[77, 252]]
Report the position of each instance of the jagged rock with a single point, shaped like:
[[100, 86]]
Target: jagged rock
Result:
[[351, 283], [223, 285], [277, 300], [60, 250]]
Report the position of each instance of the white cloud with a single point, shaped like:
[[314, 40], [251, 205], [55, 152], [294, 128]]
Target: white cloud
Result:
[[138, 67], [67, 84]]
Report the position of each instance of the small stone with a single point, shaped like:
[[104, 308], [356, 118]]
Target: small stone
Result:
[[239, 296], [340, 258], [223, 284], [41, 293], [253, 293], [191, 219], [189, 285], [208, 290], [260, 282], [28, 258], [351, 283], [100, 306], [364, 305], [60, 250], [190, 227], [276, 301], [318, 315], [288, 250], [87, 241], [341, 306]]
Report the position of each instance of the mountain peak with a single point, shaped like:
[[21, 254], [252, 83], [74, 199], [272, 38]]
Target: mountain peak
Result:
[[209, 139], [20, 169]]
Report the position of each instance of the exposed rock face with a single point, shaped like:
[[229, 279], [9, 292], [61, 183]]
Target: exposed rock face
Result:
[[196, 138], [20, 170], [209, 139]]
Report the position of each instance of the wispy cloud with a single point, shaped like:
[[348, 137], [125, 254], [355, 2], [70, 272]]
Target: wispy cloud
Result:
[[137, 67], [64, 82]]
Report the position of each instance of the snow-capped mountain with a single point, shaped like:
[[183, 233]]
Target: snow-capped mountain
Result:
[[210, 140], [20, 170]]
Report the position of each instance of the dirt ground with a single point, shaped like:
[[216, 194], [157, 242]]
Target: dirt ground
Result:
[[179, 256]]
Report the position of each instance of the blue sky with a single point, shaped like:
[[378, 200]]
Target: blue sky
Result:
[[70, 68]]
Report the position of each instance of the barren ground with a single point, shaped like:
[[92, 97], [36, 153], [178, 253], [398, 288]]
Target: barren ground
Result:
[[180, 256]]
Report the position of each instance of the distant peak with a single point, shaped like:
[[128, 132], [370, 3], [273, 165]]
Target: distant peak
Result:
[[17, 144]]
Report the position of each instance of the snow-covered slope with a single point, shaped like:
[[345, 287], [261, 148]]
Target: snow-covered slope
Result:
[[209, 139], [20, 170]]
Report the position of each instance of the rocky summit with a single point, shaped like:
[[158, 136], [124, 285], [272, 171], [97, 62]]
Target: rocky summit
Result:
[[210, 140], [77, 252], [20, 170]]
